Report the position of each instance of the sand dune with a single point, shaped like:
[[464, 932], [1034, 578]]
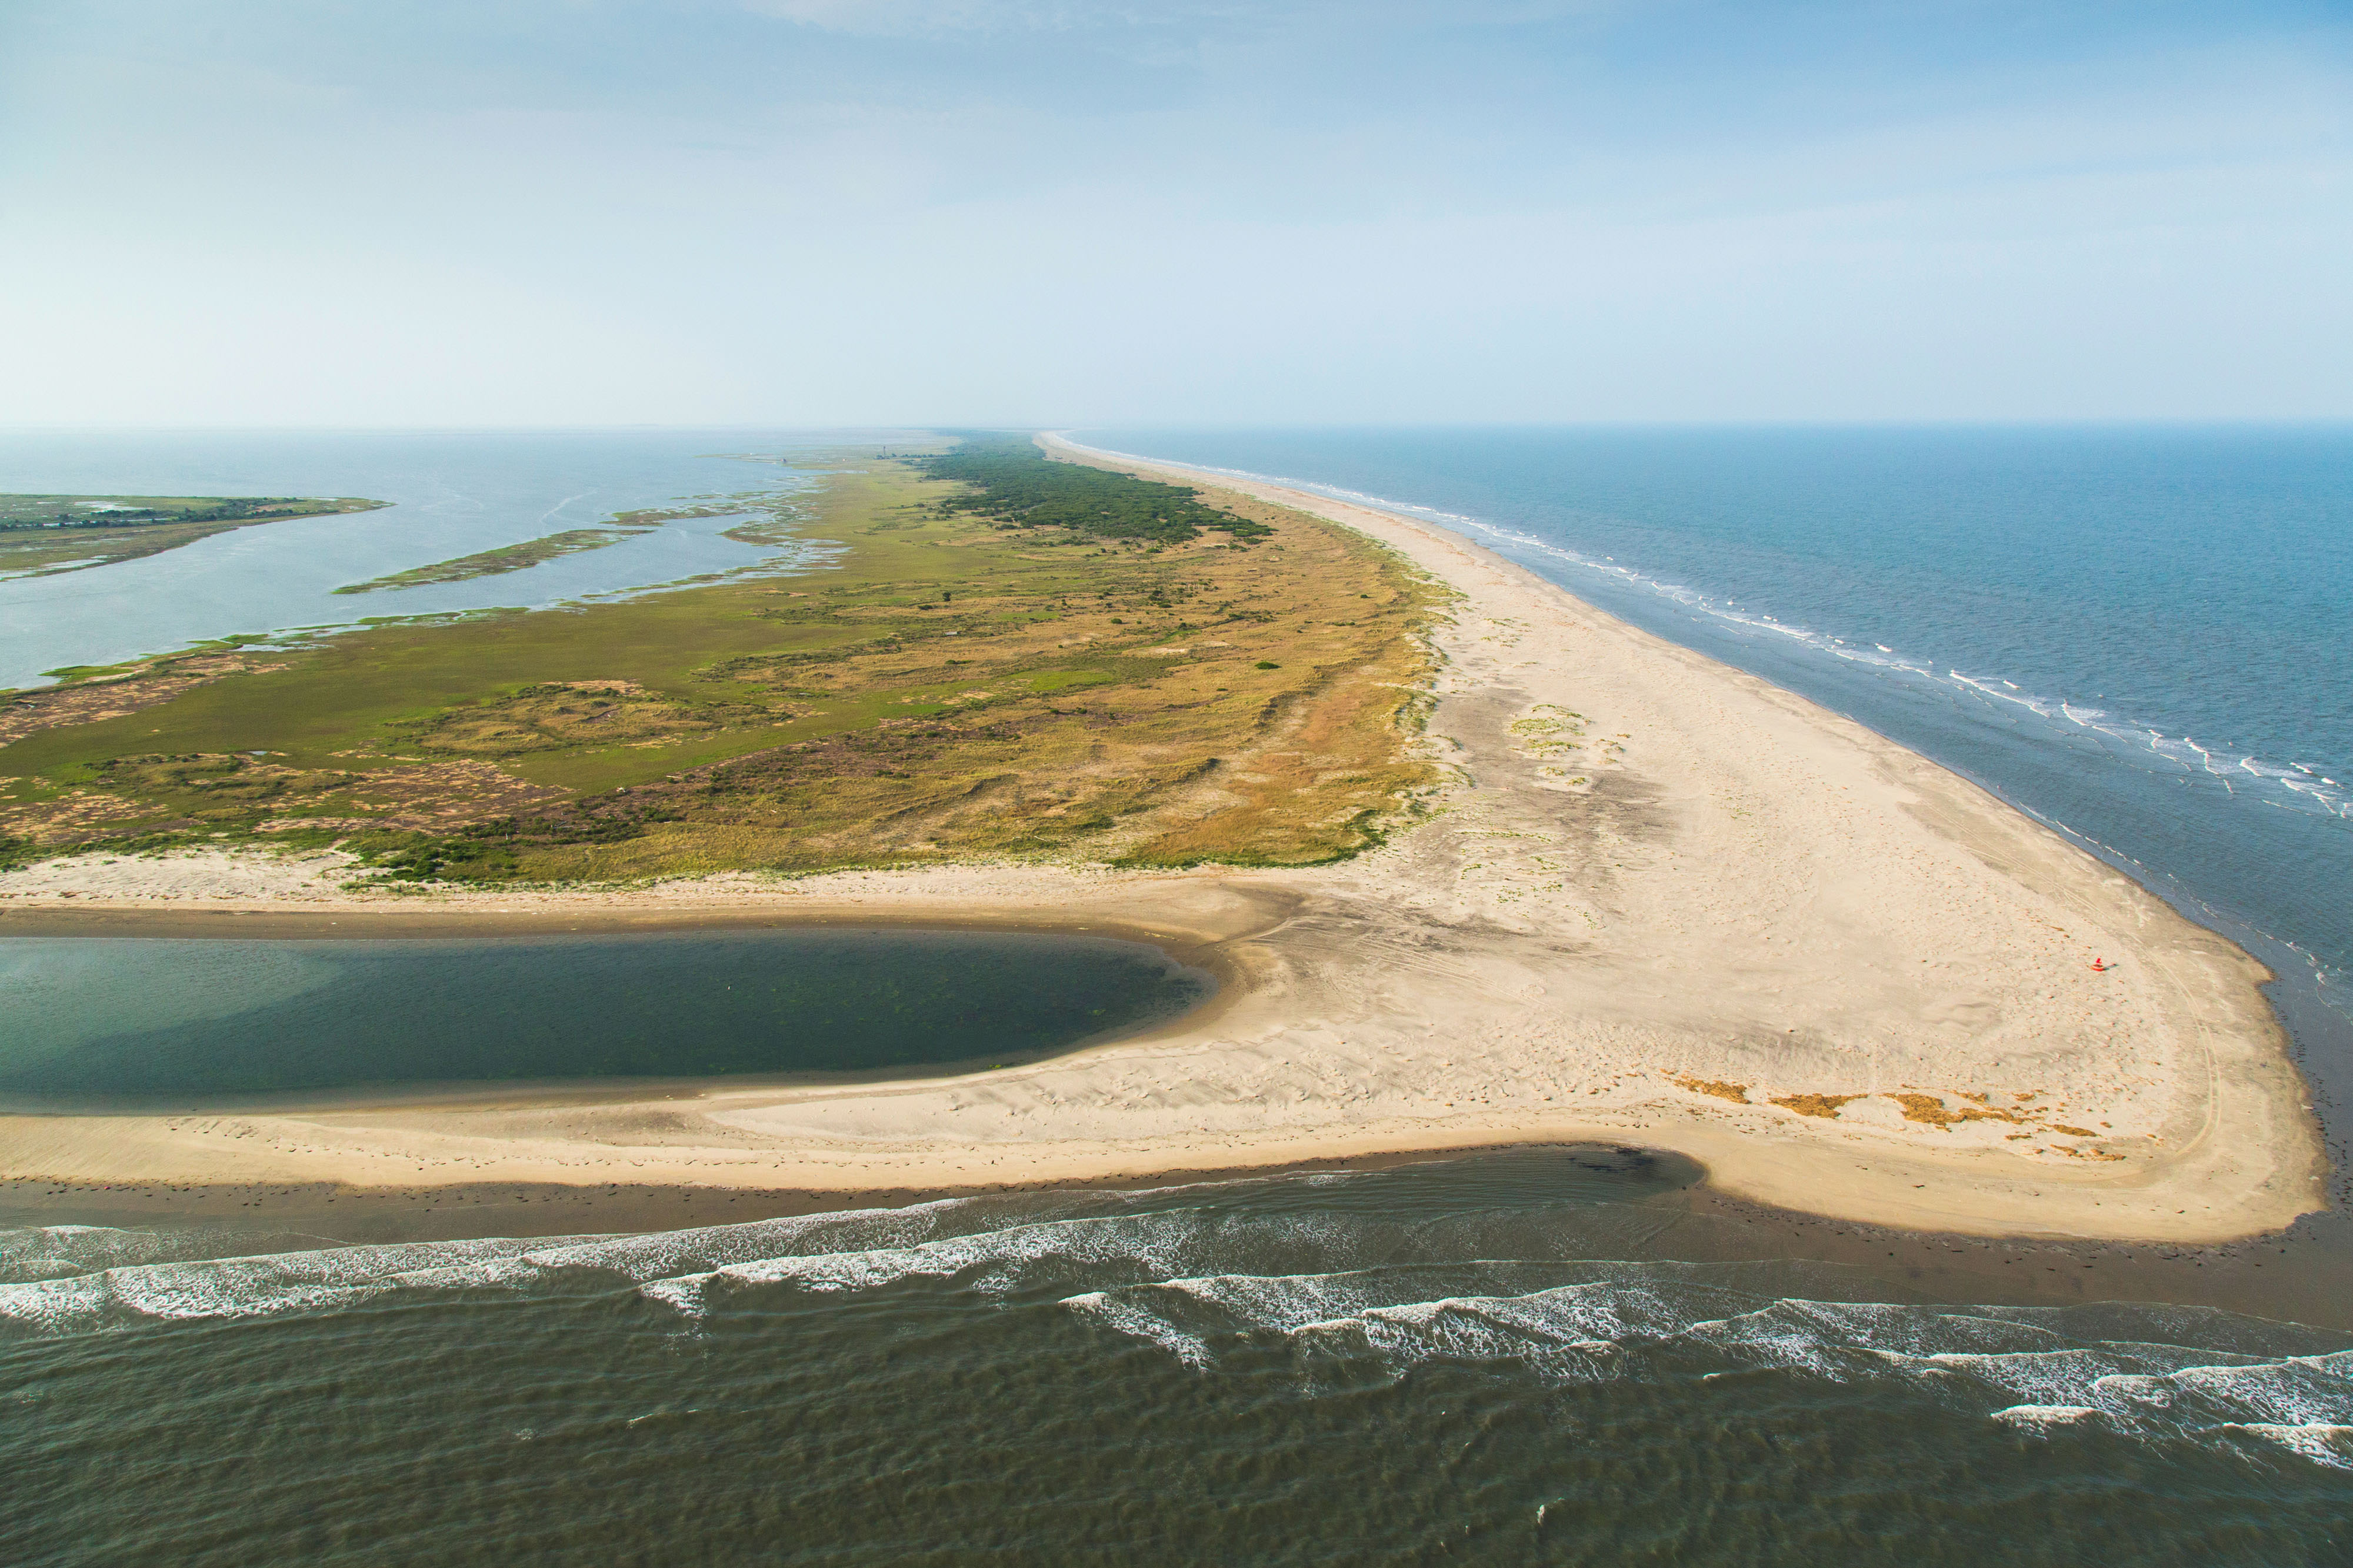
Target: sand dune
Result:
[[1662, 903]]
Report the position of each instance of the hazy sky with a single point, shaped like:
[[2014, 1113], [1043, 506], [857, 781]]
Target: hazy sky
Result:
[[398, 212]]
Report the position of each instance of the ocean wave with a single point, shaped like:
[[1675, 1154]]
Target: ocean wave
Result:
[[2027, 1367], [64, 1279], [1182, 1270], [991, 1263], [2295, 786]]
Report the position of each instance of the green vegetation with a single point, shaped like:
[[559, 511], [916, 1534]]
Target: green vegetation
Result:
[[774, 529], [137, 512], [948, 685], [490, 562], [41, 534], [1012, 481]]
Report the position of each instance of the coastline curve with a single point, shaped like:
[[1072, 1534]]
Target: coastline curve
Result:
[[1663, 902]]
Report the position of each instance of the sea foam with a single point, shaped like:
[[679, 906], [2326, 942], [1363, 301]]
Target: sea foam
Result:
[[2295, 786], [1166, 1277]]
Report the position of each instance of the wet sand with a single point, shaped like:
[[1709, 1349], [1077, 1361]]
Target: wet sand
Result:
[[1660, 902], [2305, 1274]]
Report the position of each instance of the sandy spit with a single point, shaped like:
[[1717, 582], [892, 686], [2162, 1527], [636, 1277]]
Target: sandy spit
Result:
[[1662, 903]]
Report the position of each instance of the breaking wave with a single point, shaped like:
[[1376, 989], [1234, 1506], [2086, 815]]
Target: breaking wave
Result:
[[1381, 1301], [2241, 1380], [2295, 786]]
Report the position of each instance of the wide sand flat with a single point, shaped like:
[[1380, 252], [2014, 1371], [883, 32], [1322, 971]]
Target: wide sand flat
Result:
[[1659, 897]]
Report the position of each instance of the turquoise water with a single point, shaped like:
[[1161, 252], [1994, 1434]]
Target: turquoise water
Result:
[[1499, 1359], [124, 1019]]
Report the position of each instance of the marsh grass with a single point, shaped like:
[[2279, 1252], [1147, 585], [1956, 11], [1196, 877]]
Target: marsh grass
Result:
[[41, 534], [950, 686]]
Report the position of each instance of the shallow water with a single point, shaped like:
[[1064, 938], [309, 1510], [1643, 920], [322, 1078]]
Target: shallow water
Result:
[[453, 494], [1479, 1359], [2142, 636], [1556, 1357], [2142, 633], [130, 1020]]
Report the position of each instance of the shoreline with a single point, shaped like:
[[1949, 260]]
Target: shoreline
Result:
[[1194, 949], [2302, 1282], [1739, 929]]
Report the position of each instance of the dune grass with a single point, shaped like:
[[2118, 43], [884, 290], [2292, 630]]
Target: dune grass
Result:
[[949, 686]]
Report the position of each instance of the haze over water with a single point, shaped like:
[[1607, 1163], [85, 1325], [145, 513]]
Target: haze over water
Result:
[[610, 223]]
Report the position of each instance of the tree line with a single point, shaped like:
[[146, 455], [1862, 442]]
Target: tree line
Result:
[[228, 511], [1015, 483]]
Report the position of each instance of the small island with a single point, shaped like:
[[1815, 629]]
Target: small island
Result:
[[531, 553], [40, 534]]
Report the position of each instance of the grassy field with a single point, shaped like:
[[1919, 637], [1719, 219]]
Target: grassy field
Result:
[[952, 684], [41, 534]]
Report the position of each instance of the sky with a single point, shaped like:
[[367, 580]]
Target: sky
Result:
[[1050, 213]]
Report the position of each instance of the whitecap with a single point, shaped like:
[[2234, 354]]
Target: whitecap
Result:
[[2323, 1443], [129, 1275], [1164, 1277], [2329, 799], [2040, 1416], [2021, 1366]]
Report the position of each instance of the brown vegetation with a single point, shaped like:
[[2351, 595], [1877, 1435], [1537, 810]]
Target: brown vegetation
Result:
[[945, 688], [146, 685], [1735, 1092], [1932, 1111], [1825, 1105]]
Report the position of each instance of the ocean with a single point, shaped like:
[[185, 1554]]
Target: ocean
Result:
[[2143, 635], [1522, 1356], [1540, 1357]]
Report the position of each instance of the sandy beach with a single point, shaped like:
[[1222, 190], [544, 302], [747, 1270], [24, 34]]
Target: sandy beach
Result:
[[1660, 902]]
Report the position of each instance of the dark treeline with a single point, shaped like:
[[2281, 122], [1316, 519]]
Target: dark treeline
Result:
[[224, 510], [1017, 484]]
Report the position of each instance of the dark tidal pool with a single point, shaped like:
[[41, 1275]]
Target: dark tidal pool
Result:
[[148, 1020]]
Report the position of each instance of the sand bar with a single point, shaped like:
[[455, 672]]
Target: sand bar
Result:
[[1662, 902]]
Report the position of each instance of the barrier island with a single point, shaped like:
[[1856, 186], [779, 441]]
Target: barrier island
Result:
[[1477, 864]]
